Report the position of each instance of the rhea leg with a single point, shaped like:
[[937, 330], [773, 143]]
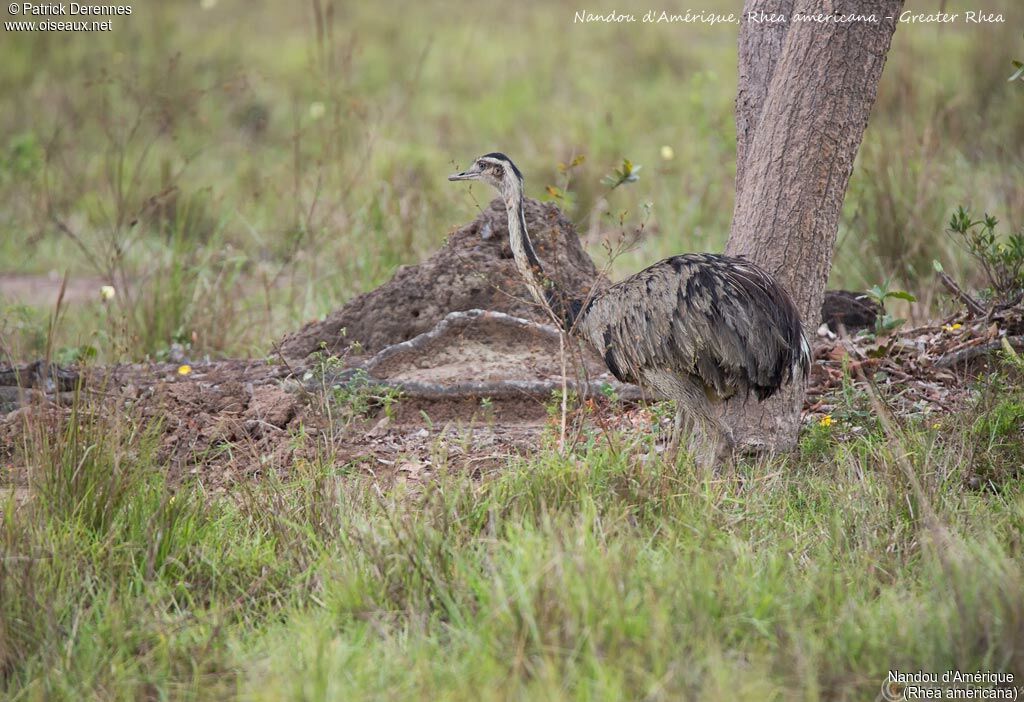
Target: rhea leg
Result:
[[683, 426], [722, 444], [695, 413]]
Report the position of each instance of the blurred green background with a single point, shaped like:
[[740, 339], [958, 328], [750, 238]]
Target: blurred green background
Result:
[[235, 169]]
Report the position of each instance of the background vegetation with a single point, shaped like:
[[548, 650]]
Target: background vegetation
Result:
[[234, 169]]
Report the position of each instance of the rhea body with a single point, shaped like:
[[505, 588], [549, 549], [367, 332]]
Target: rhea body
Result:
[[698, 328]]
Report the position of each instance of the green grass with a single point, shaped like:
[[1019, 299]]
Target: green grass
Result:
[[605, 575]]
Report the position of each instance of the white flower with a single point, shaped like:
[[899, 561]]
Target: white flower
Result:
[[107, 292], [317, 110], [667, 153]]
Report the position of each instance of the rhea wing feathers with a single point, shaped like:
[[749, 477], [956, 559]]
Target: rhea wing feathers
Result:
[[721, 319]]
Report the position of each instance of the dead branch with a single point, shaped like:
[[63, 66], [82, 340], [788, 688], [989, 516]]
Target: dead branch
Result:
[[971, 352], [508, 389], [975, 307], [451, 324]]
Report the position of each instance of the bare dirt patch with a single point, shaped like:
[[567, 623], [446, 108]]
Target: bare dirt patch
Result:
[[42, 290]]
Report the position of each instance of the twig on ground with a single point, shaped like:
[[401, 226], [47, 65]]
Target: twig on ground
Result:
[[964, 355]]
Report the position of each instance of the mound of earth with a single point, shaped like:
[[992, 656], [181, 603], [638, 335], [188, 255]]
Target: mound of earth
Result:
[[473, 270]]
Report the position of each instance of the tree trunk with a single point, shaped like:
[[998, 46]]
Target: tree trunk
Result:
[[805, 92]]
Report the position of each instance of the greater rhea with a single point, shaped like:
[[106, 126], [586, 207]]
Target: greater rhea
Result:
[[698, 328]]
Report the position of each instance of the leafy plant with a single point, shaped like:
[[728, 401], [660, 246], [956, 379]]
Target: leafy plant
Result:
[[1001, 258], [609, 393], [487, 405], [626, 173], [554, 404], [67, 355], [886, 323], [354, 393]]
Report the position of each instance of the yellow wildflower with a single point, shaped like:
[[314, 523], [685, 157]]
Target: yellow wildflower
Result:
[[952, 327], [184, 369], [825, 421], [667, 153]]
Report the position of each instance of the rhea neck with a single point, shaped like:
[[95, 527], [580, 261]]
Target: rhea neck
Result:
[[540, 286]]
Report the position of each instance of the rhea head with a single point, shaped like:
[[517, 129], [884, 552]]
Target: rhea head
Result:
[[497, 170]]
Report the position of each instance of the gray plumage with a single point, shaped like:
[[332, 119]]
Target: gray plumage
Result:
[[722, 320], [698, 328]]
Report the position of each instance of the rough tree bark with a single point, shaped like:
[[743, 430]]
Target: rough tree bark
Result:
[[805, 92]]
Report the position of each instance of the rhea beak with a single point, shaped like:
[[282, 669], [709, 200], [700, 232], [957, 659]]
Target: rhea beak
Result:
[[469, 174]]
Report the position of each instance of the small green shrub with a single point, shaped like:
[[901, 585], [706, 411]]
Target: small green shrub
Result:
[[1000, 257], [886, 323], [346, 396]]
